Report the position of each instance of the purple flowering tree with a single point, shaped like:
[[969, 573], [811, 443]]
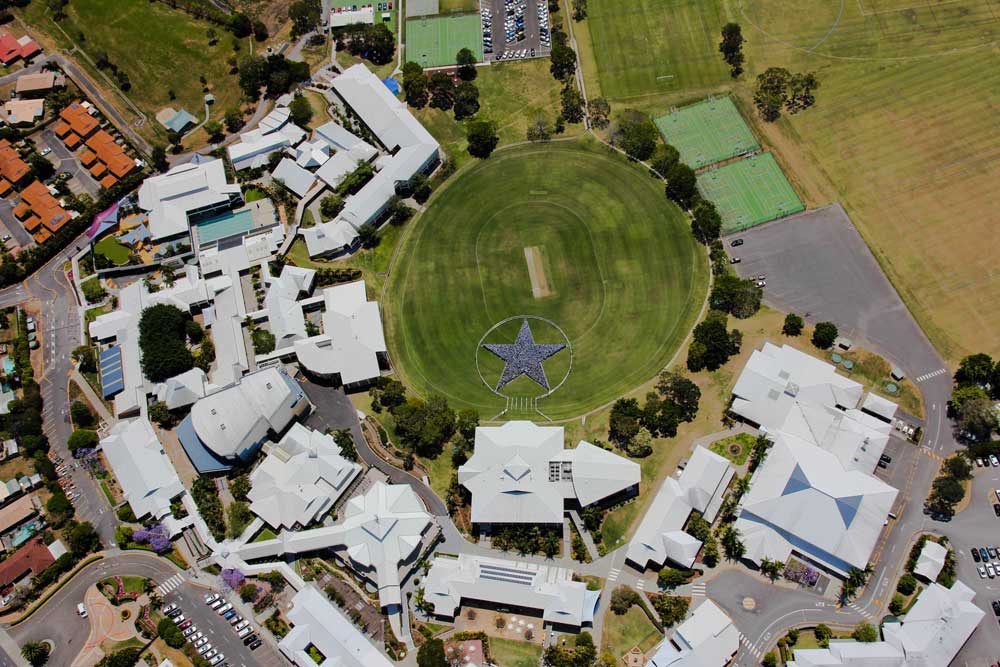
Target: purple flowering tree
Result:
[[233, 578]]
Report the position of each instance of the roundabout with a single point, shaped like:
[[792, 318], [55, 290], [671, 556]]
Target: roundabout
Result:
[[567, 237]]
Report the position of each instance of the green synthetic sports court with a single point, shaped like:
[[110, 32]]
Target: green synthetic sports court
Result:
[[580, 240], [707, 132], [435, 40], [749, 192]]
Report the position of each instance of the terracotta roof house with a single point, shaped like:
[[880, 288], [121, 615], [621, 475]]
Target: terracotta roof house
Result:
[[38, 84], [76, 125], [31, 559], [40, 212], [13, 170], [112, 156]]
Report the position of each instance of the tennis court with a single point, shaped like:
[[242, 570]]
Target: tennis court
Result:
[[749, 192], [707, 132], [435, 41]]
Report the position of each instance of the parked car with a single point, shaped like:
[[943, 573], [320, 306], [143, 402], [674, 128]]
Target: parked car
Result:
[[218, 603], [185, 625], [192, 629], [994, 461], [210, 653], [996, 509], [735, 260], [217, 659], [235, 620], [982, 572], [990, 572], [224, 608], [201, 641], [249, 640], [229, 614], [735, 242], [244, 632], [996, 607], [211, 597], [975, 555], [255, 645], [982, 553], [179, 619], [205, 648]]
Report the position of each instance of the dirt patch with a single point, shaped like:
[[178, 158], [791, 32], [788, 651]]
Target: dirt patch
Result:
[[540, 287]]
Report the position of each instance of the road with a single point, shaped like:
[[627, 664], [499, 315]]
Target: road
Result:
[[64, 160], [59, 327]]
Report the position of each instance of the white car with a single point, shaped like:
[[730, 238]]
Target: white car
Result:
[[218, 603], [994, 460], [211, 597], [223, 609], [209, 653], [239, 626], [190, 631], [201, 641], [244, 632], [990, 572], [196, 636], [205, 648], [217, 659], [169, 608], [179, 619], [979, 462], [982, 572], [46, 151]]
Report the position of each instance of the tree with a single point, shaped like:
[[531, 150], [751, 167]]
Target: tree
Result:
[[681, 391], [170, 633], [624, 421], [124, 658], [731, 48], [769, 660], [907, 584], [214, 130], [158, 159], [958, 466], [301, 110], [975, 369], [759, 451], [563, 61], [738, 297], [162, 336], [482, 138], [467, 421], [414, 85], [599, 112], [305, 16], [865, 632], [712, 344], [672, 610], [572, 104], [978, 418], [442, 90], [331, 206], [82, 438], [466, 100], [771, 93], [670, 577], [800, 91], [793, 325], [82, 538], [706, 223], [771, 568], [664, 157], [731, 542], [579, 10], [263, 340], [466, 64], [622, 599], [539, 130], [636, 135], [896, 604], [240, 487], [43, 169], [36, 653], [431, 654], [81, 415], [234, 120], [368, 236], [824, 335], [682, 185], [424, 427]]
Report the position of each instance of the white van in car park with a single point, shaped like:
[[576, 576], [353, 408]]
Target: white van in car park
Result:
[[81, 610]]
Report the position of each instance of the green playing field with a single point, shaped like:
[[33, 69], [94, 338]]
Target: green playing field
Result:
[[434, 41], [707, 132], [749, 192]]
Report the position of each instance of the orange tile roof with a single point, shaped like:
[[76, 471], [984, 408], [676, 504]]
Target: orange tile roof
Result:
[[108, 181], [21, 210], [45, 206], [12, 167], [88, 157], [111, 154], [79, 120], [32, 223], [33, 557], [98, 169], [71, 140], [5, 186], [62, 128], [41, 236]]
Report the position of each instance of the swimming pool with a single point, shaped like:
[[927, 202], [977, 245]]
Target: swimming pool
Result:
[[225, 225], [8, 366]]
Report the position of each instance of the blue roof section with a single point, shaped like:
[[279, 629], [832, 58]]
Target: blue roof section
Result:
[[392, 85], [804, 547], [204, 460], [180, 120], [849, 508], [135, 235], [112, 379], [796, 482]]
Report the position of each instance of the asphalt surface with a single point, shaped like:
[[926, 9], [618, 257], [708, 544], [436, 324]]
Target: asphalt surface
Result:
[[64, 160]]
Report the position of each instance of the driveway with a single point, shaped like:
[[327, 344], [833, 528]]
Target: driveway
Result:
[[64, 160], [11, 224]]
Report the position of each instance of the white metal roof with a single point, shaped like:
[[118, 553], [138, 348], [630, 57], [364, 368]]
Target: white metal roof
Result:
[[328, 237], [520, 473], [146, 475], [169, 197], [659, 537], [550, 590], [316, 622], [300, 479], [342, 140], [182, 390], [931, 560], [707, 638], [295, 178], [336, 169]]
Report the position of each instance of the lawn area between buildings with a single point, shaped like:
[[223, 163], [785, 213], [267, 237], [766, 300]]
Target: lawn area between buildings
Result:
[[736, 448], [615, 251], [510, 653], [920, 192], [159, 48], [373, 262], [111, 248], [632, 628]]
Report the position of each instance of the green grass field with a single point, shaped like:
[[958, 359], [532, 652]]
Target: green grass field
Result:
[[749, 192], [655, 46], [112, 249], [434, 41], [632, 628], [510, 653], [614, 252], [707, 132], [161, 49]]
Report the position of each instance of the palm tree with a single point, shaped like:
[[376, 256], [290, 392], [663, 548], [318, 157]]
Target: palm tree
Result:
[[36, 653]]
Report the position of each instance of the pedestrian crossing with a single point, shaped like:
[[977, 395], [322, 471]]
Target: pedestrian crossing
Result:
[[932, 374], [170, 584], [614, 574], [698, 590], [859, 610], [749, 646], [641, 584]]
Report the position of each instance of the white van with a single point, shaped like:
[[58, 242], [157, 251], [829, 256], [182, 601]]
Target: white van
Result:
[[81, 610]]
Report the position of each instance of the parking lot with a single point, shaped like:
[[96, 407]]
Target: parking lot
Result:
[[220, 633], [515, 29]]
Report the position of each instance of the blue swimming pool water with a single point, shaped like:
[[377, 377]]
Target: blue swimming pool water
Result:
[[225, 225], [8, 366]]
